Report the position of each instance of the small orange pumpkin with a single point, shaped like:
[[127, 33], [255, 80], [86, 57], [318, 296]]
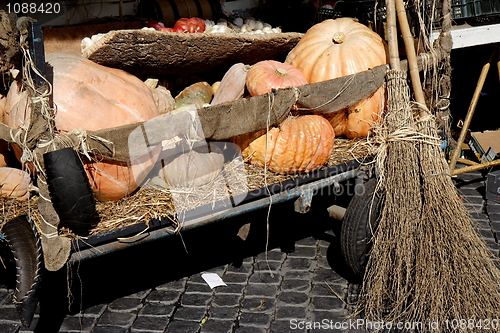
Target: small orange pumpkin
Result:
[[299, 144], [358, 120], [270, 74], [14, 183]]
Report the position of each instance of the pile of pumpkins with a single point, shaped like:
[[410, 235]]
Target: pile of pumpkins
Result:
[[93, 97]]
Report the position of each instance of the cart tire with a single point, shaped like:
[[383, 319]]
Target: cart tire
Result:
[[70, 190], [358, 225], [24, 243]]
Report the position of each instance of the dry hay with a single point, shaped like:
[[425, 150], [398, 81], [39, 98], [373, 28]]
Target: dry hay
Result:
[[149, 203]]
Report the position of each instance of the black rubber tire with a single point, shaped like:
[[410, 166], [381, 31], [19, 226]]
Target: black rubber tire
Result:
[[358, 225], [70, 190], [24, 243]]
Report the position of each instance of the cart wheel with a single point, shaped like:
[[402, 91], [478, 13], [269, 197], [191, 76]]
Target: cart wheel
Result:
[[70, 189], [23, 241], [358, 225]]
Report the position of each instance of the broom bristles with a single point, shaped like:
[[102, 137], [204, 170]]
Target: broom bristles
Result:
[[428, 265]]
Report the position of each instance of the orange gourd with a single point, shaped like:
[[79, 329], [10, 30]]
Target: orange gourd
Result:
[[270, 74], [92, 97], [299, 144], [14, 183], [340, 47]]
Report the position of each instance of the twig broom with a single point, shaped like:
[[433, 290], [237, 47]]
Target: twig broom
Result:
[[390, 265], [457, 283], [428, 266]]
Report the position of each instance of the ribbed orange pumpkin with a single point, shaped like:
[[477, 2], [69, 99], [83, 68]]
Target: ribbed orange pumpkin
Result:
[[92, 97], [340, 47], [270, 74], [299, 144]]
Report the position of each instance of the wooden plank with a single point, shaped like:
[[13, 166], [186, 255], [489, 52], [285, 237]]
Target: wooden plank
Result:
[[169, 53]]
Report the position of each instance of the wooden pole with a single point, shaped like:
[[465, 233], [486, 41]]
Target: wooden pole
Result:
[[475, 167], [468, 117], [466, 161]]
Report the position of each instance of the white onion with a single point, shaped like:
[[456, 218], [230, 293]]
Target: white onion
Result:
[[238, 22]]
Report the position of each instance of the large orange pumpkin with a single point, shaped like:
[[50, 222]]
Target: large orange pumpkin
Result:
[[299, 144], [340, 47], [92, 97]]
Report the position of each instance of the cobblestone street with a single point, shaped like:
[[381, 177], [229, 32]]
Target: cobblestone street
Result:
[[295, 285]]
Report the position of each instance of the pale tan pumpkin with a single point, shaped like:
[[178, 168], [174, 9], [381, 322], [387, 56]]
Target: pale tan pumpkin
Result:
[[336, 48], [14, 183], [299, 144], [193, 168], [92, 97], [270, 74]]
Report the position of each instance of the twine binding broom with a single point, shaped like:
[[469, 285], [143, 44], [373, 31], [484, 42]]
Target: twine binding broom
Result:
[[428, 266]]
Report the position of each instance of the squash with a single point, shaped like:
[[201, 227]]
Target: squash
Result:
[[215, 86], [194, 96], [299, 144], [270, 74], [193, 168], [358, 120], [232, 85], [92, 97], [163, 99], [14, 183], [340, 47]]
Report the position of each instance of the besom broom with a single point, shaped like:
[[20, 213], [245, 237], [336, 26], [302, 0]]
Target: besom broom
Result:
[[428, 265]]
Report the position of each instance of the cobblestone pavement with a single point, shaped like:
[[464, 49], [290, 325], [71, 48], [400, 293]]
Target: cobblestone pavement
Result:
[[159, 288]]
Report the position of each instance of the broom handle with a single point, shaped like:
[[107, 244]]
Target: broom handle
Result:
[[392, 35], [411, 54]]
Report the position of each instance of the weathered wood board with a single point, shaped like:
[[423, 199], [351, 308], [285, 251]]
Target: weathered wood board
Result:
[[169, 53]]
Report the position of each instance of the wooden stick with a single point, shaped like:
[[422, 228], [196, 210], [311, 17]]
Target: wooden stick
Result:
[[410, 53], [468, 117], [392, 35], [475, 167], [466, 161]]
